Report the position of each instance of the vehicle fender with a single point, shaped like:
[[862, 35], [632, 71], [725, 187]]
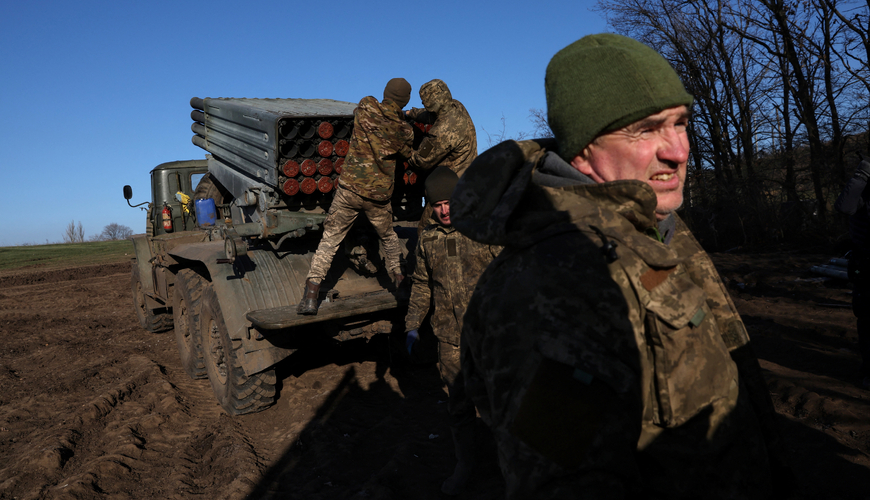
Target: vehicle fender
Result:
[[143, 259], [258, 280]]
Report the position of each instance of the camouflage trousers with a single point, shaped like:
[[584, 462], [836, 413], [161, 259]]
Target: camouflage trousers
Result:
[[459, 405], [346, 207]]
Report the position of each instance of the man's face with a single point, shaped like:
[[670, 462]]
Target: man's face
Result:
[[654, 150], [442, 212]]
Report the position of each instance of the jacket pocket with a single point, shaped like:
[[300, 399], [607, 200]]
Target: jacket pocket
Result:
[[692, 366]]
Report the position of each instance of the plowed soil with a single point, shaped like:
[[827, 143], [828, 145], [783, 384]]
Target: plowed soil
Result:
[[94, 407]]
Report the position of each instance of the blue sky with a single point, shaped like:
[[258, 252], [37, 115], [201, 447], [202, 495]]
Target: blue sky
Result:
[[95, 94]]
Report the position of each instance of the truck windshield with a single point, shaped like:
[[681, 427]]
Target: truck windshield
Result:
[[194, 180]]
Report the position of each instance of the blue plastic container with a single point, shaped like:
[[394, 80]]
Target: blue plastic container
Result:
[[205, 211]]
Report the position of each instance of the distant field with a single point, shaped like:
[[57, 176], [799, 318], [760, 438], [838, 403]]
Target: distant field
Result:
[[64, 255]]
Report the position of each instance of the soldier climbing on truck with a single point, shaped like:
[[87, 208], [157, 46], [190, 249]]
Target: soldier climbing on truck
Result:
[[381, 138]]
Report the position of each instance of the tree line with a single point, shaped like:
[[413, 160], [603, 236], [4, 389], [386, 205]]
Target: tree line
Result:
[[781, 109], [75, 233]]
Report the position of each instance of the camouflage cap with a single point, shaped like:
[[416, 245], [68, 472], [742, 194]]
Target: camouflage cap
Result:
[[604, 82]]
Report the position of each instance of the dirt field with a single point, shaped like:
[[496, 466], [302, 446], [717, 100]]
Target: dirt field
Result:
[[93, 407]]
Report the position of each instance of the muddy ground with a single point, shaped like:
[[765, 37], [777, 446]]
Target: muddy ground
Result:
[[94, 407]]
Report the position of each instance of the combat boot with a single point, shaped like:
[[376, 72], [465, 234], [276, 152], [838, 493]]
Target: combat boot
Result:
[[466, 460], [308, 304]]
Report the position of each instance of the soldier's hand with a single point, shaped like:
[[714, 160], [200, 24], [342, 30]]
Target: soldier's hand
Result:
[[410, 338]]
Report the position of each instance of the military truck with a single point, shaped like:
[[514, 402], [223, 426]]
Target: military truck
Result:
[[228, 281]]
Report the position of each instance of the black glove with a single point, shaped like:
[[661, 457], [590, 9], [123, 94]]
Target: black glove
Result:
[[863, 170]]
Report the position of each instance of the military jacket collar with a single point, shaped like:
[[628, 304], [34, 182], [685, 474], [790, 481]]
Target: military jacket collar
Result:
[[437, 226], [623, 211]]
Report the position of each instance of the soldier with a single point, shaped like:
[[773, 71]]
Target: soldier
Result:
[[854, 201], [452, 140], [381, 136], [447, 269], [601, 345]]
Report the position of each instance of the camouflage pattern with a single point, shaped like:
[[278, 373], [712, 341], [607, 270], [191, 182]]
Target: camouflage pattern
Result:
[[459, 406], [381, 138], [447, 269], [346, 207], [613, 371], [452, 140], [448, 266]]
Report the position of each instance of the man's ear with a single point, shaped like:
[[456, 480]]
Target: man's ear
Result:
[[582, 164]]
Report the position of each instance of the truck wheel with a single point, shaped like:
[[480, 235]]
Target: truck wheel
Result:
[[186, 304], [153, 320], [236, 392], [208, 188]]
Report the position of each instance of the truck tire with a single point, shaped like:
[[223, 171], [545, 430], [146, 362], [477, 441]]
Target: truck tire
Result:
[[186, 306], [153, 320], [209, 188], [236, 392]]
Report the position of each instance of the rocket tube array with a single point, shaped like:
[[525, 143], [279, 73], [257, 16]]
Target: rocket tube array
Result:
[[312, 151]]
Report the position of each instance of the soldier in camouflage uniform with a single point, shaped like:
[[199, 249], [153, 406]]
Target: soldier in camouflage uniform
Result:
[[452, 140], [381, 137], [601, 346], [447, 269]]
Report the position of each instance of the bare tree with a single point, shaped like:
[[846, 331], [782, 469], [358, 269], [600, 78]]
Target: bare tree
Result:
[[74, 233], [501, 135], [115, 231], [541, 126]]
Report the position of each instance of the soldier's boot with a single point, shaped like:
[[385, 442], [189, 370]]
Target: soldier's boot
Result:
[[308, 304], [466, 460]]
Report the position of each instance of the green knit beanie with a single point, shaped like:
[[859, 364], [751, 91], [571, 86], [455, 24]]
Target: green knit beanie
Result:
[[440, 184], [604, 82]]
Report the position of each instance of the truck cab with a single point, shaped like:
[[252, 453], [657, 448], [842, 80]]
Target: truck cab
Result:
[[167, 179]]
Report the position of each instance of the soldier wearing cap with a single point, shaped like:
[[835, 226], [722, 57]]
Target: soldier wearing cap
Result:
[[381, 135], [601, 346], [448, 266]]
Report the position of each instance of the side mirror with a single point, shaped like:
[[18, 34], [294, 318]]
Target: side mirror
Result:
[[128, 193]]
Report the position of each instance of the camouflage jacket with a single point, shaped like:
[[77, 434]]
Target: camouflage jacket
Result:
[[448, 266], [381, 138], [452, 139], [605, 361]]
